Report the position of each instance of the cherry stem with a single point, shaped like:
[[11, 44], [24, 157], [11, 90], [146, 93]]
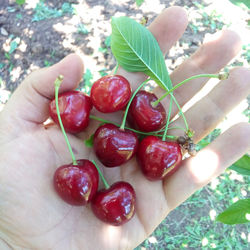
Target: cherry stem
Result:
[[116, 68], [180, 111], [156, 133], [218, 76], [102, 176], [128, 105], [168, 120], [57, 84]]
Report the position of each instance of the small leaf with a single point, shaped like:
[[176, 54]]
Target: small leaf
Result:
[[136, 50], [139, 2], [241, 3], [20, 2], [236, 214], [108, 41], [90, 141], [7, 55], [242, 166], [13, 46]]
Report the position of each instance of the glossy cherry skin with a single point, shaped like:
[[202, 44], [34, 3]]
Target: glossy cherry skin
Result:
[[115, 205], [143, 116], [157, 158], [114, 146], [76, 184], [110, 93], [74, 108]]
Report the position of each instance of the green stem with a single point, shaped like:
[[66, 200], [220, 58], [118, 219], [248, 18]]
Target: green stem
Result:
[[180, 111], [168, 120], [156, 133], [128, 105], [219, 76], [57, 84], [102, 176], [116, 68]]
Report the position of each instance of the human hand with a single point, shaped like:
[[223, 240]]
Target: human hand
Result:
[[32, 216]]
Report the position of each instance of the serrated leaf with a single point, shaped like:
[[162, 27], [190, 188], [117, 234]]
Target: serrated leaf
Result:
[[90, 141], [136, 50], [242, 166], [236, 214]]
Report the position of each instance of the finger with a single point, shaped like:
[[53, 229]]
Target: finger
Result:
[[210, 58], [209, 163], [167, 28], [206, 114], [29, 103]]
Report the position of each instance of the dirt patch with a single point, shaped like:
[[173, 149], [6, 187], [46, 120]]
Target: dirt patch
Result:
[[45, 34]]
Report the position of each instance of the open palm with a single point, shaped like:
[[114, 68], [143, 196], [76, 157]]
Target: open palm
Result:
[[32, 216]]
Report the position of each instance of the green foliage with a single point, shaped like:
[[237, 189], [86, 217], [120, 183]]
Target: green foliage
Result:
[[87, 80], [82, 29], [13, 46], [47, 63], [67, 8], [107, 44], [2, 65], [241, 3], [43, 11], [208, 139], [242, 166], [108, 41], [20, 2], [90, 141], [236, 213], [191, 226], [246, 51], [19, 16], [212, 20], [136, 50], [103, 72], [139, 2]]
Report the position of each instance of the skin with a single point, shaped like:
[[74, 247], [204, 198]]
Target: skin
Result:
[[32, 216]]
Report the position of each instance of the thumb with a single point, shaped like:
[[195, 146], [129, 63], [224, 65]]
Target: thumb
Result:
[[29, 105]]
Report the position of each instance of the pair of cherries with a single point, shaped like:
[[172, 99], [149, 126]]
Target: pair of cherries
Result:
[[77, 184]]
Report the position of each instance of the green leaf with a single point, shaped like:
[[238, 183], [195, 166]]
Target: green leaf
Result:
[[136, 50], [90, 141], [7, 55], [139, 2], [241, 3], [13, 46], [20, 2], [236, 214], [82, 29], [107, 41], [242, 166]]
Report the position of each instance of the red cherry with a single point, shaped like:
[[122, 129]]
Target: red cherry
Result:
[[143, 116], [114, 146], [74, 109], [77, 184], [115, 205], [158, 158], [110, 93]]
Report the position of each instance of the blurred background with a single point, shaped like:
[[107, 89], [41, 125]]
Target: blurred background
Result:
[[36, 33]]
